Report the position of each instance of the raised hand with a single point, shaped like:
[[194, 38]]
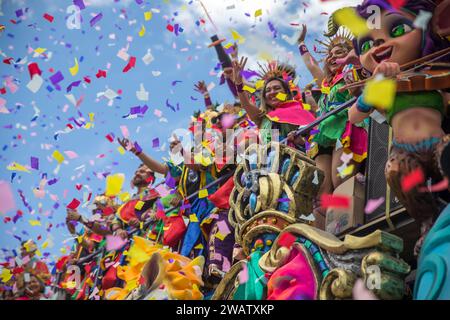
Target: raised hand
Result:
[[238, 67], [302, 36], [127, 145], [201, 87]]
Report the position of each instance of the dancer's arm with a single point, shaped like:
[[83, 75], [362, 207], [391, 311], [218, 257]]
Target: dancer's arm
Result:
[[310, 63]]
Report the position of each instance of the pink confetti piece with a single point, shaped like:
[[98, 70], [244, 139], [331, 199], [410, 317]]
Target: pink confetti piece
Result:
[[373, 204], [114, 243], [7, 202], [243, 275], [223, 228], [71, 154]]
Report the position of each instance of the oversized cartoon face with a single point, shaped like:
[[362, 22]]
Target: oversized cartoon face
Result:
[[396, 41]]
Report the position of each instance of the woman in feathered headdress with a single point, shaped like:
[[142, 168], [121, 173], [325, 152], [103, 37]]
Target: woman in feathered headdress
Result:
[[335, 131], [278, 110]]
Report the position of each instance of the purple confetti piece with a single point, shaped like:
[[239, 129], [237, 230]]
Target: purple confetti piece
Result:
[[137, 147], [135, 110], [247, 74], [139, 1], [144, 109], [284, 200], [170, 181], [193, 99], [96, 19], [272, 29], [79, 4], [52, 181], [314, 131], [35, 163], [155, 143], [185, 206], [56, 78], [73, 84], [19, 13]]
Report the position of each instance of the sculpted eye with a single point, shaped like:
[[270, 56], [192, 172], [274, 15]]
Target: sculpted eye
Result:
[[366, 46], [400, 30]]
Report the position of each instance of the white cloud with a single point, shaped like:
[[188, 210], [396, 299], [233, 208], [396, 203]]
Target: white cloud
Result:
[[104, 3]]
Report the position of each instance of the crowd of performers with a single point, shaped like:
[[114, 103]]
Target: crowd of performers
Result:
[[182, 245]]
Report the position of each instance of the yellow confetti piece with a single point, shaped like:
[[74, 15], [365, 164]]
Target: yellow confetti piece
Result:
[[91, 116], [142, 31], [121, 150], [114, 184], [80, 239], [88, 125], [148, 15], [349, 18], [34, 223], [220, 236], [306, 107], [203, 193], [347, 171], [63, 250], [249, 89], [380, 93], [141, 225], [281, 96], [139, 205], [259, 84], [71, 284], [228, 45], [193, 218], [124, 196], [17, 167], [258, 13], [199, 246], [237, 37], [74, 70], [6, 275], [325, 90], [58, 156], [40, 50], [45, 244]]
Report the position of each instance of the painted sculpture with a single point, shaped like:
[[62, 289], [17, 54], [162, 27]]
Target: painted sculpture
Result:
[[288, 258]]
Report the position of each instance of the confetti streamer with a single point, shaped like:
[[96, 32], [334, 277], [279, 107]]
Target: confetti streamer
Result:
[[411, 180], [334, 201]]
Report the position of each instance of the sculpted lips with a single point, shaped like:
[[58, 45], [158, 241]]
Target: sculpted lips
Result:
[[382, 54]]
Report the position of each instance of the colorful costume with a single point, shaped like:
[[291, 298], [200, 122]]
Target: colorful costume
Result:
[[353, 138], [287, 117]]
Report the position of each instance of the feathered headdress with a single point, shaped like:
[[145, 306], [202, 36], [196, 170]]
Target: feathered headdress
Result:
[[276, 69], [335, 36]]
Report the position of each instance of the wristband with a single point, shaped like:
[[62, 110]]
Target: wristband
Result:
[[240, 87], [303, 49], [138, 149], [362, 106]]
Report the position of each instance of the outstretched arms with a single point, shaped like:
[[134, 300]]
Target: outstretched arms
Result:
[[253, 111], [308, 59], [151, 163]]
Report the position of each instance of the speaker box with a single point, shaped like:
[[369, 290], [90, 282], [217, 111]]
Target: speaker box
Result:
[[377, 156]]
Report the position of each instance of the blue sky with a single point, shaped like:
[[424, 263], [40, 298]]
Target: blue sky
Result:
[[184, 58]]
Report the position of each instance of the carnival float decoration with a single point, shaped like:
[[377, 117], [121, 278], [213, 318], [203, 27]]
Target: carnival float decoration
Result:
[[288, 258]]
